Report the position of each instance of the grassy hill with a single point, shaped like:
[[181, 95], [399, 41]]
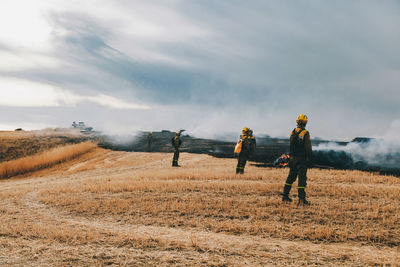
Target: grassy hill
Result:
[[18, 144]]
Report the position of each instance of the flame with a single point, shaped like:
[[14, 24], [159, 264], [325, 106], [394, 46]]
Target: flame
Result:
[[282, 161]]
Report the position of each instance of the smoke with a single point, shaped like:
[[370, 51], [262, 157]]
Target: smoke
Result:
[[382, 151], [123, 140]]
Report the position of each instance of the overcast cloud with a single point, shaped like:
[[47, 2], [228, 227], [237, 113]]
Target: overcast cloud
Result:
[[206, 66]]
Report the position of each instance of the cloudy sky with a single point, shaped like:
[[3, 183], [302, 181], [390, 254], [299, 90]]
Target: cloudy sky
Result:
[[206, 66]]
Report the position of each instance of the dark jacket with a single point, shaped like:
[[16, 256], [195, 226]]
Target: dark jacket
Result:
[[246, 145], [300, 144], [176, 142]]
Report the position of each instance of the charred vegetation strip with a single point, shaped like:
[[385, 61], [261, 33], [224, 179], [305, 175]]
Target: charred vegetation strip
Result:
[[45, 159], [268, 150], [341, 160]]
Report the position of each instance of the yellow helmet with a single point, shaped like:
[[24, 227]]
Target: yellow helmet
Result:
[[246, 129], [302, 118]]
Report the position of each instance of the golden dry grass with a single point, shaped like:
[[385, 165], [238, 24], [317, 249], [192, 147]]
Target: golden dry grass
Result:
[[226, 203], [118, 208], [44, 159], [14, 145]]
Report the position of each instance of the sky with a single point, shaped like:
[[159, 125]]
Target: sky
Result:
[[210, 67]]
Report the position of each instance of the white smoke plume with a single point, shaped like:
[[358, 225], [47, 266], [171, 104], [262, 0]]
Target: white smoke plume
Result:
[[383, 150]]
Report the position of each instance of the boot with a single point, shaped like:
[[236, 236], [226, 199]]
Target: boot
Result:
[[239, 170], [286, 191], [304, 202], [302, 197]]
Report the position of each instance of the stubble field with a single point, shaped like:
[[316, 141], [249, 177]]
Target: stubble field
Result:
[[121, 208]]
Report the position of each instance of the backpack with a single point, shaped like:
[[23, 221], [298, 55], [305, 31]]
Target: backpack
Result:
[[176, 142], [297, 144], [238, 147]]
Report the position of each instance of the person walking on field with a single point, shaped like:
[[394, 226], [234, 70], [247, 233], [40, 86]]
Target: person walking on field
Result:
[[176, 143], [243, 149], [300, 159]]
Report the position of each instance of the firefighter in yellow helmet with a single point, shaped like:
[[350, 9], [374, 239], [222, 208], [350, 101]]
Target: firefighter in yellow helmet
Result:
[[176, 143], [245, 151], [300, 159]]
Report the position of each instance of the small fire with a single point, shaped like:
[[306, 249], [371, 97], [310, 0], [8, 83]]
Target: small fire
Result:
[[282, 161]]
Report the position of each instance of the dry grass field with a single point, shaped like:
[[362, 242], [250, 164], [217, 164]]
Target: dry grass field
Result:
[[44, 159], [14, 145], [133, 209]]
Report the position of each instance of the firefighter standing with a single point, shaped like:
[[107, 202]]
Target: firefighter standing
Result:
[[176, 143], [245, 152], [149, 141], [300, 158]]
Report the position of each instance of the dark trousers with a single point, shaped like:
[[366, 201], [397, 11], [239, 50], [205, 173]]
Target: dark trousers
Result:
[[176, 157], [242, 159], [298, 168]]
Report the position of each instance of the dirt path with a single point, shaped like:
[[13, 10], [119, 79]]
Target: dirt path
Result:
[[147, 244]]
